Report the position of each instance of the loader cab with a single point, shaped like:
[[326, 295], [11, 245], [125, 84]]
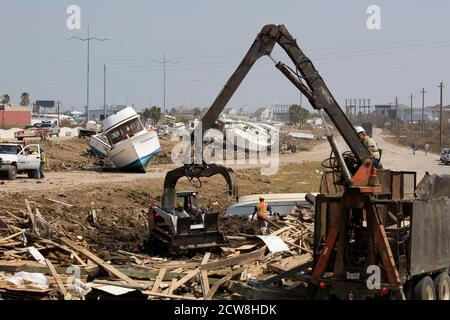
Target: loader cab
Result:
[[191, 203]]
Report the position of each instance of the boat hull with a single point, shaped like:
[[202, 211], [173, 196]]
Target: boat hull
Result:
[[135, 153]]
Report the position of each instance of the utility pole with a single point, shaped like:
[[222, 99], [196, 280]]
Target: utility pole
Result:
[[423, 91], [441, 118], [412, 129], [396, 118], [164, 62], [88, 40], [104, 92], [58, 103]]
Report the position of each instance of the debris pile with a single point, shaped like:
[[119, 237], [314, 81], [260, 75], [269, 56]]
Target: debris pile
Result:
[[42, 259]]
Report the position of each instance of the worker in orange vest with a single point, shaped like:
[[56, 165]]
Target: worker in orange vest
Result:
[[262, 210]]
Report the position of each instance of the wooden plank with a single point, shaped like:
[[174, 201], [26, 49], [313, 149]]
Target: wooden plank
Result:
[[11, 236], [241, 259], [55, 275], [204, 281], [31, 214], [75, 255], [186, 278], [222, 281], [60, 202], [172, 286], [170, 296], [141, 286], [158, 280], [33, 266], [99, 261]]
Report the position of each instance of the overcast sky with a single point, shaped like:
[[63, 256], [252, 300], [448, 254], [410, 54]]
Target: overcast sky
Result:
[[209, 38]]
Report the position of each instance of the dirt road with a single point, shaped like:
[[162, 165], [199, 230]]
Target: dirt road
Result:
[[394, 157]]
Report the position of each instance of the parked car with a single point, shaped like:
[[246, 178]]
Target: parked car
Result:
[[53, 128], [444, 152]]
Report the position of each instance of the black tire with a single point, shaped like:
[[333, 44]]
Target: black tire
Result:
[[442, 285], [12, 173], [424, 289], [30, 174]]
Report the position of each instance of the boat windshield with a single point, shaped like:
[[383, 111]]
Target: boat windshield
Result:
[[125, 131]]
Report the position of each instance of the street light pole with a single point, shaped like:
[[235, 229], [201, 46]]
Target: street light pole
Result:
[[88, 40]]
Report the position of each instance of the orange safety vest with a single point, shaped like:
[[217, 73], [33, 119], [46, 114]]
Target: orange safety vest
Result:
[[262, 210]]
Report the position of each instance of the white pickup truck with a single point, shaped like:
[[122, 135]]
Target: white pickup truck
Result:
[[16, 159]]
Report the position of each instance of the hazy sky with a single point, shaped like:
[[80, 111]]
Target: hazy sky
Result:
[[209, 38]]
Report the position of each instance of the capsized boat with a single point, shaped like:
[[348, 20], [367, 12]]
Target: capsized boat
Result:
[[126, 142]]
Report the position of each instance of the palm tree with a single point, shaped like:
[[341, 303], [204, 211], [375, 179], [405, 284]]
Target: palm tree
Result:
[[5, 99], [25, 99]]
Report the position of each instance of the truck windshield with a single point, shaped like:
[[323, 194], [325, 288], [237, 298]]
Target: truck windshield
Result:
[[8, 149]]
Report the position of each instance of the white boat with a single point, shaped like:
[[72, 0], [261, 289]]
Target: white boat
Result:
[[250, 136], [281, 203], [126, 142]]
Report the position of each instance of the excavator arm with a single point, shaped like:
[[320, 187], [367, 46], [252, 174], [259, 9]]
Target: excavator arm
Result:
[[309, 82]]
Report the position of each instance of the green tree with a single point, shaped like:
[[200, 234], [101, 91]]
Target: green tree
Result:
[[5, 99], [173, 111], [25, 99], [155, 114], [298, 116]]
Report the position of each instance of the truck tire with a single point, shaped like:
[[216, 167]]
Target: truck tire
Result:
[[12, 173], [424, 289], [442, 285]]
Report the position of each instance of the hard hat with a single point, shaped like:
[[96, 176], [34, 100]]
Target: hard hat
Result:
[[261, 198], [359, 129]]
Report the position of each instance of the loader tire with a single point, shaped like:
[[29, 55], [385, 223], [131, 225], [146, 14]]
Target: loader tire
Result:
[[12, 173], [442, 285], [424, 289]]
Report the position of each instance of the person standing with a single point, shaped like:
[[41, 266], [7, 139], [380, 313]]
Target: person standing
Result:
[[262, 210], [427, 148], [43, 162], [414, 148]]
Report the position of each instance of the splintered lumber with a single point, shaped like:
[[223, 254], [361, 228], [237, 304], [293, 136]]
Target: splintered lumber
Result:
[[124, 285], [99, 261], [204, 275], [245, 258], [11, 236], [30, 213], [158, 279], [222, 281], [172, 286], [33, 266], [170, 296], [60, 202], [73, 253], [55, 275], [288, 273], [185, 279]]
